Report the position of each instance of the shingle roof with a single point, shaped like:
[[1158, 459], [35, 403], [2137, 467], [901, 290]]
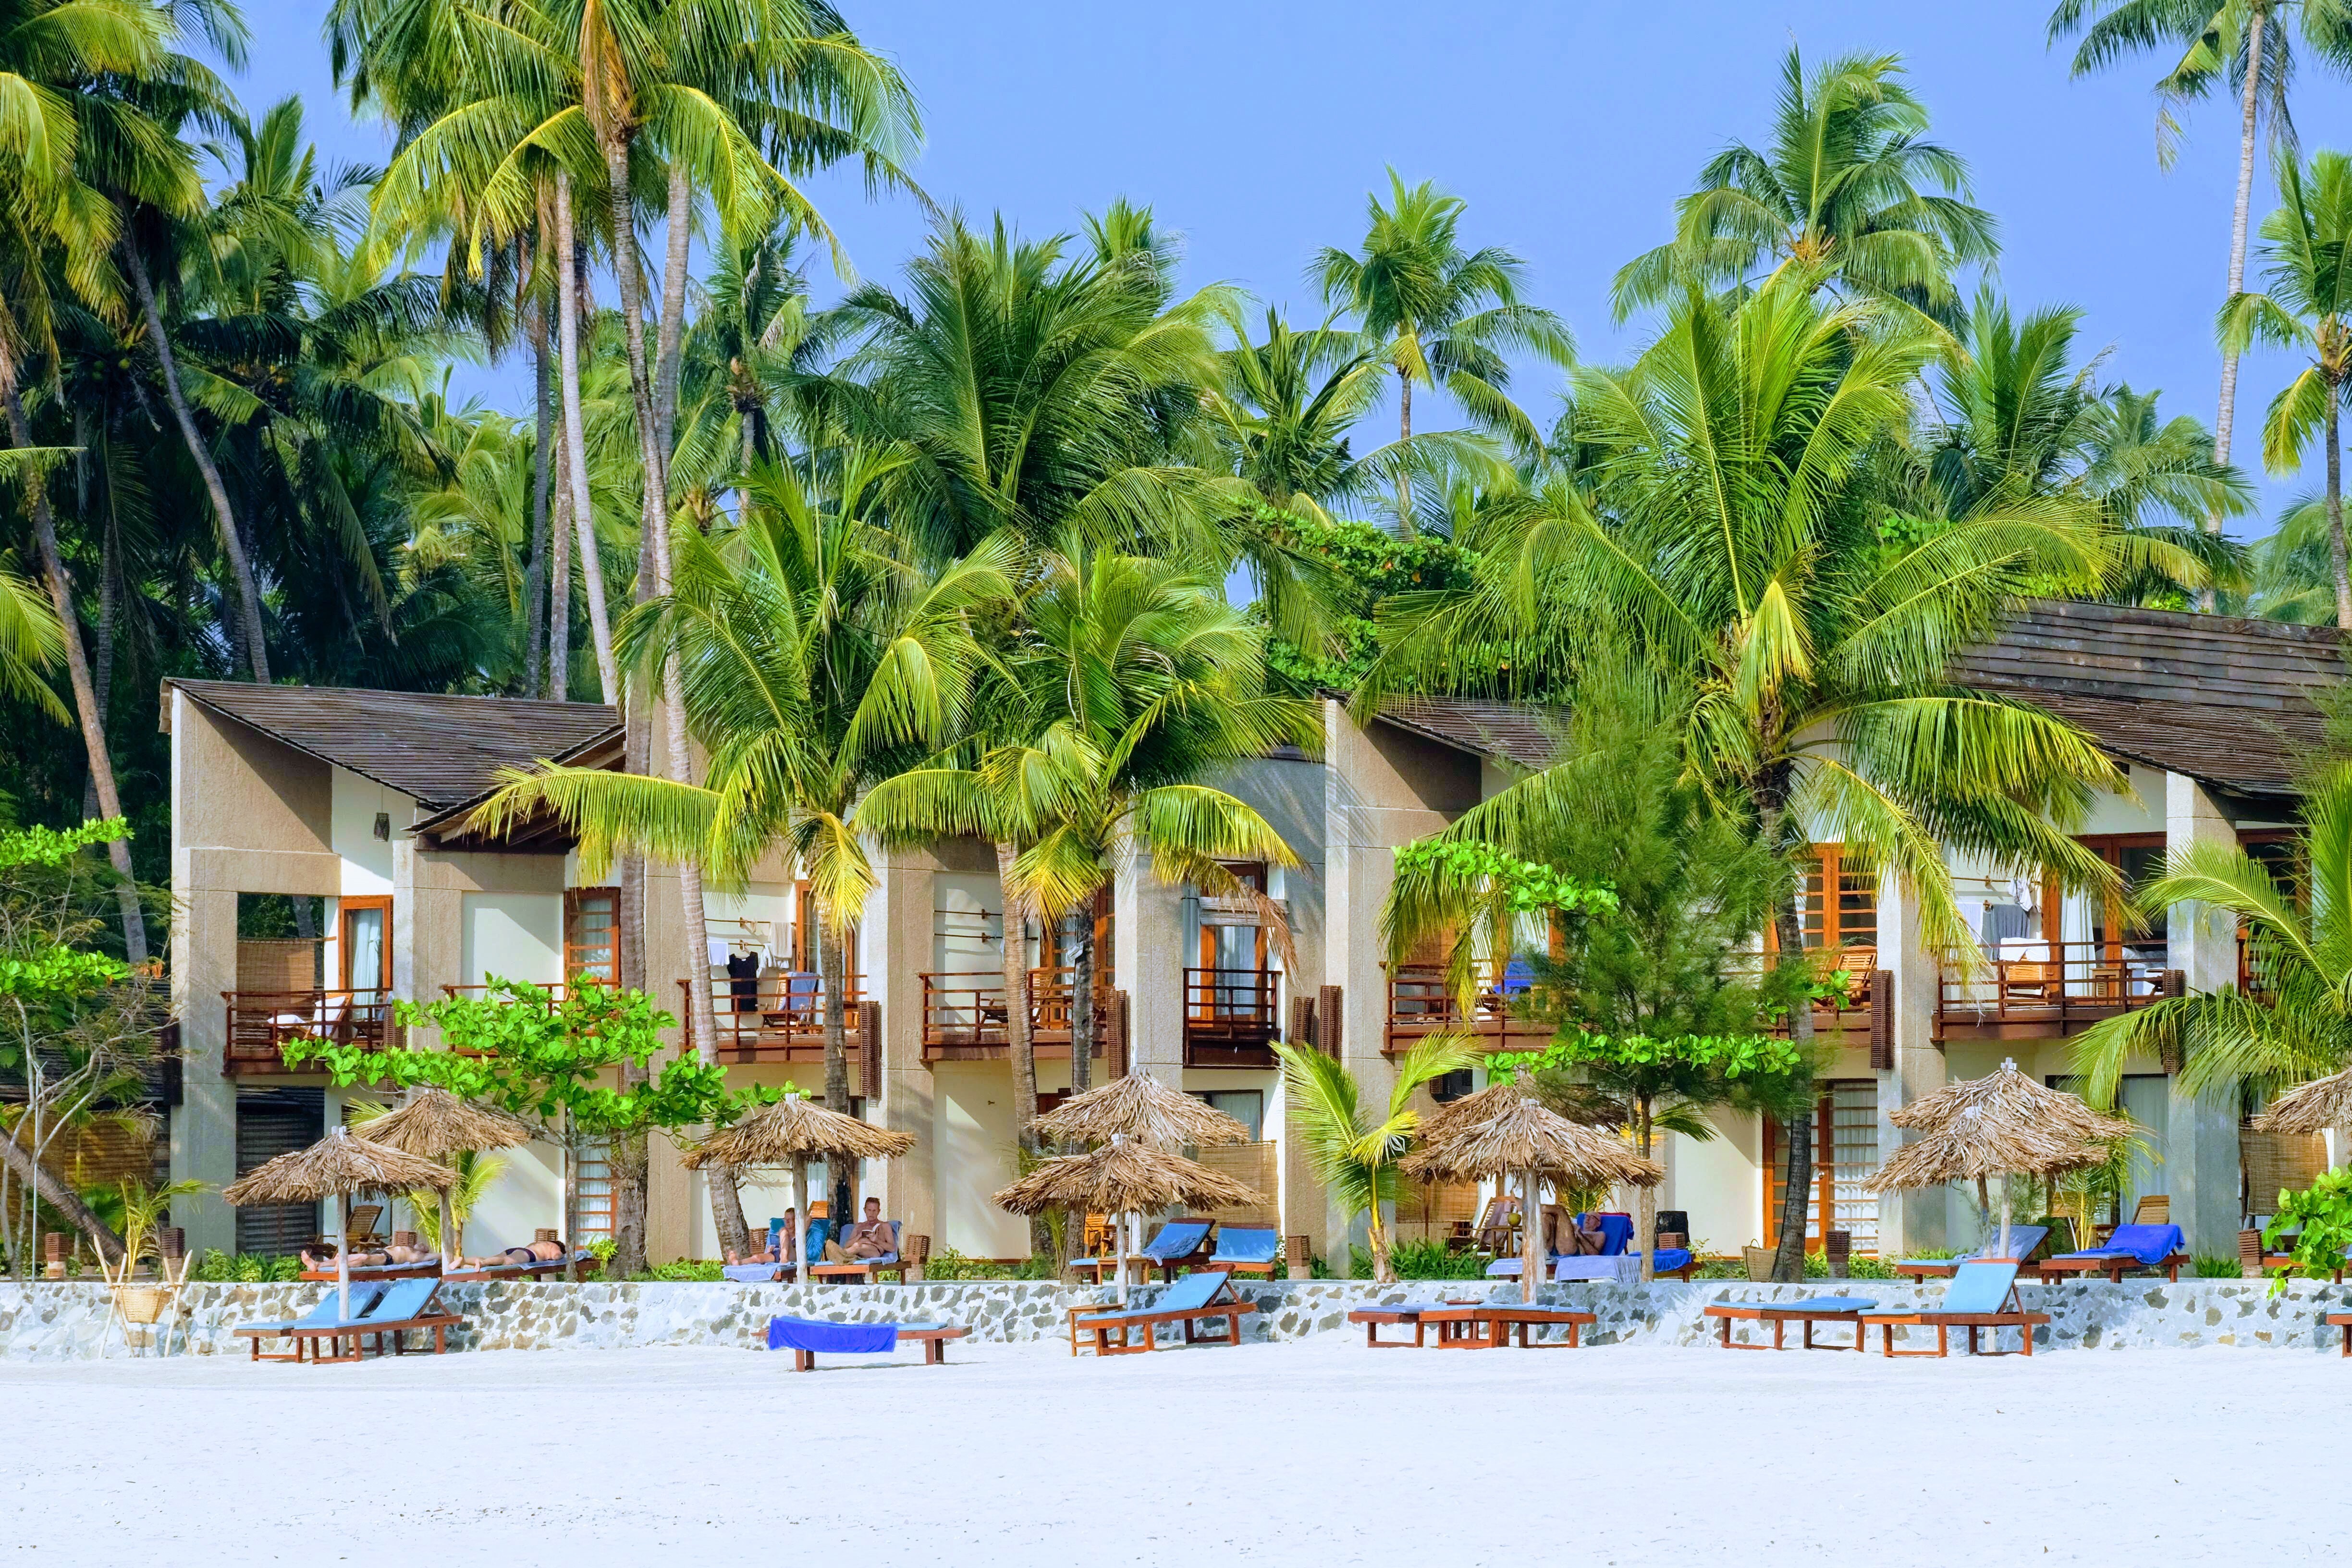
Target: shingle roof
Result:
[[439, 748], [2223, 701], [1520, 732]]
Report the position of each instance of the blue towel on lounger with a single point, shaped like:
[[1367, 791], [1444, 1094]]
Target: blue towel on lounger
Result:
[[752, 1273], [2148, 1245], [836, 1339]]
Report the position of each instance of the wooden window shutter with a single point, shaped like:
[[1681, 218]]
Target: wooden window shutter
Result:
[[1302, 1021], [1327, 1020], [1882, 1020], [869, 1050]]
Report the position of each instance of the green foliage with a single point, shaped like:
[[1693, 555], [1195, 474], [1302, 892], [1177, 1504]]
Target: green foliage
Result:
[[2322, 1215], [517, 1048], [38, 846], [1522, 887], [2206, 1266], [1370, 566], [949, 1263], [1640, 1056], [246, 1268], [1354, 1157], [1421, 1259]]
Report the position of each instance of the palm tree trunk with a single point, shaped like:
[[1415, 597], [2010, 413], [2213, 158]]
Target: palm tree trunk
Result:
[[1020, 1046], [87, 705], [1079, 947], [535, 625], [575, 449], [670, 331], [232, 542], [1645, 1202], [1404, 433], [2225, 417], [2335, 507], [559, 581], [571, 1198], [1789, 1257], [833, 973]]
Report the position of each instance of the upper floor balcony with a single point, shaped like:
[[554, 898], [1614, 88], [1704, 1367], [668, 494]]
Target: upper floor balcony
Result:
[[2032, 989], [966, 1018], [261, 1023], [1232, 1017], [1421, 1003]]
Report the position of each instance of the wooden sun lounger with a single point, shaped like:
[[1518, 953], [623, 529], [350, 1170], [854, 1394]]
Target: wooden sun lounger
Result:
[[933, 1339], [1488, 1325], [1375, 1317], [1195, 1297], [1781, 1315], [1980, 1296], [405, 1305], [2342, 1320], [2115, 1269]]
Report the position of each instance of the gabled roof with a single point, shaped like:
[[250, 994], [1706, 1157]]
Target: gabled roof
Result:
[[441, 750], [2226, 701]]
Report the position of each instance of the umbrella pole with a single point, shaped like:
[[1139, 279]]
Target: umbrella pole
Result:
[[2004, 1220], [1531, 1248], [1122, 1260], [448, 1233], [343, 1258]]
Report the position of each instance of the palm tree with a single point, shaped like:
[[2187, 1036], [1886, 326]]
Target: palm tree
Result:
[[2308, 305], [1131, 678], [1354, 1157], [815, 660], [2292, 1024], [32, 641], [1736, 543], [2247, 40], [1440, 315], [1849, 192]]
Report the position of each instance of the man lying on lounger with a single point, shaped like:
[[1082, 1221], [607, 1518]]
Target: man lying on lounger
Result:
[[869, 1238]]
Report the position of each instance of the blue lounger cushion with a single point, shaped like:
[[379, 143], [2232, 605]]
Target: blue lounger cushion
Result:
[[752, 1273], [2023, 1240], [1625, 1269], [837, 1339], [1177, 1238], [2148, 1245], [1823, 1304], [1669, 1258], [324, 1313], [1979, 1287], [1246, 1243], [1193, 1293], [401, 1300]]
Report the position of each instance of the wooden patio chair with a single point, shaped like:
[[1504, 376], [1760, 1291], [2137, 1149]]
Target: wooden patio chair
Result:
[[1496, 1231]]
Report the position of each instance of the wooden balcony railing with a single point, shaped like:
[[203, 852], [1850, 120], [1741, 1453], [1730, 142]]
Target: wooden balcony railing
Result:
[[2047, 990], [261, 1023], [1231, 1017], [776, 1020], [964, 1015], [1420, 1003]]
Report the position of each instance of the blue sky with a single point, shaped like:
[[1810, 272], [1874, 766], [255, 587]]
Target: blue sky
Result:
[[1256, 130]]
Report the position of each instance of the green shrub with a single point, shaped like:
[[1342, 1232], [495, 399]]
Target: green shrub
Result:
[[244, 1269], [2218, 1269], [1420, 1260], [949, 1263]]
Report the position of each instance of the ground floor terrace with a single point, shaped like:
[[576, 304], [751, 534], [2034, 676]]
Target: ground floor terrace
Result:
[[1293, 1453]]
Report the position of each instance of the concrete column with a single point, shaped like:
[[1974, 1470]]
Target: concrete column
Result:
[[1909, 1221], [896, 938], [1150, 957], [428, 928], [2200, 1143], [203, 1124]]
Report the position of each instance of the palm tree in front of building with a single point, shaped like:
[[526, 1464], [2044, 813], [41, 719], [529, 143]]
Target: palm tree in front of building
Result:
[[1736, 535]]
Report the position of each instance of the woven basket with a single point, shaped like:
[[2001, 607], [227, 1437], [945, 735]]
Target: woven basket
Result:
[[141, 1303]]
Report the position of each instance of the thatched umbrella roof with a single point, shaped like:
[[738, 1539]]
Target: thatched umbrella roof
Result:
[[794, 1129], [1969, 1149], [2007, 1098], [1122, 1176], [334, 1165], [2309, 1107], [1140, 1106], [1503, 1130], [435, 1123]]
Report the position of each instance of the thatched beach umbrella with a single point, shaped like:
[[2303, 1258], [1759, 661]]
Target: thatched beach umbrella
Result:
[[792, 1131], [2310, 1109], [2001, 1124], [1140, 1107], [337, 1166], [435, 1124], [1119, 1178], [1503, 1130]]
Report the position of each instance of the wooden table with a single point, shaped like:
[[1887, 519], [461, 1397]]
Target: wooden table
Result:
[[1487, 1326], [1375, 1317], [1781, 1315]]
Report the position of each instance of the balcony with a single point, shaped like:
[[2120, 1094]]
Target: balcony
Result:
[[1230, 1018], [261, 1023], [965, 1018], [1420, 1003], [777, 1021], [2037, 990]]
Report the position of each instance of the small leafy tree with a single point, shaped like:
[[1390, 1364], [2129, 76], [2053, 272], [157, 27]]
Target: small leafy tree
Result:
[[1354, 1157], [517, 1048], [2322, 1215]]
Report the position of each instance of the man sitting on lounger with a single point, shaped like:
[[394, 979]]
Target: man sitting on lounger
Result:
[[869, 1238], [773, 1252]]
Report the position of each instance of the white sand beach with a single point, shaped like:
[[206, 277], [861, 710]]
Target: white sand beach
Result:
[[1317, 1452]]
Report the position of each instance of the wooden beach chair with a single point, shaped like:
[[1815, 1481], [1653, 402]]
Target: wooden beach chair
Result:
[[1246, 1249], [866, 1271], [2128, 1249], [326, 1311], [2027, 1245], [1488, 1325], [406, 1304], [1193, 1298], [1781, 1315], [1180, 1244], [1980, 1296], [1495, 1232], [807, 1337], [1375, 1319]]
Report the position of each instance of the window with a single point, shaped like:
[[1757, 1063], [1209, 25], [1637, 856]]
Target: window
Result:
[[1845, 1153], [595, 1171], [1246, 1106], [592, 923], [366, 931], [2138, 859], [1450, 1087], [1837, 899]]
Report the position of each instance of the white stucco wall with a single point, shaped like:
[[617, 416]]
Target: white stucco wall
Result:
[[367, 859], [976, 1135], [514, 936]]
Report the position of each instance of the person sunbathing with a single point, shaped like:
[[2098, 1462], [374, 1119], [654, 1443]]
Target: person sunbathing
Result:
[[869, 1238], [773, 1253]]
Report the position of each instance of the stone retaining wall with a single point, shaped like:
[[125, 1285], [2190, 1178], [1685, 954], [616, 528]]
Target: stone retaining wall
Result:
[[63, 1322]]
